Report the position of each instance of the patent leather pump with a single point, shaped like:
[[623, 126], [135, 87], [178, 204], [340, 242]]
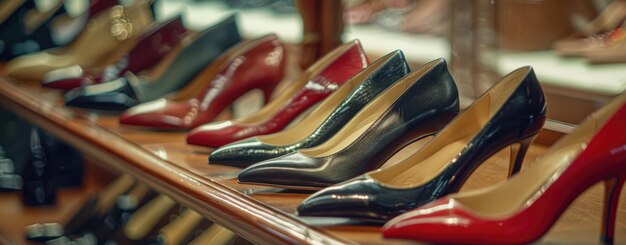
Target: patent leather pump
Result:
[[255, 64], [176, 72], [512, 112], [323, 122], [152, 47], [113, 32], [417, 106], [317, 82], [524, 208]]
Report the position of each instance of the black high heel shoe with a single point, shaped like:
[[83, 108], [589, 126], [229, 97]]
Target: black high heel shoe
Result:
[[511, 113], [417, 106], [322, 123], [128, 91]]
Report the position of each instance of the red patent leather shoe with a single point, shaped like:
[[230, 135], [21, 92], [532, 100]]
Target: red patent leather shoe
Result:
[[317, 82], [255, 64], [524, 208], [152, 46]]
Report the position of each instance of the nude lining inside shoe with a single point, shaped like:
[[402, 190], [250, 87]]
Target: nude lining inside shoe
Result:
[[279, 102], [314, 119], [507, 198], [368, 115], [433, 158]]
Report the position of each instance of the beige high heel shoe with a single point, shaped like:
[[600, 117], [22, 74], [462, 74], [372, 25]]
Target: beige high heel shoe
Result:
[[106, 38]]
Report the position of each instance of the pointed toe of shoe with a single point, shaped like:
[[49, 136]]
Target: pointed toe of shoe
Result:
[[270, 173], [213, 134], [106, 96], [427, 229], [394, 231], [351, 199], [292, 171], [151, 120], [155, 114], [240, 154], [30, 67], [230, 158], [440, 221], [330, 203], [255, 174], [22, 71], [66, 78]]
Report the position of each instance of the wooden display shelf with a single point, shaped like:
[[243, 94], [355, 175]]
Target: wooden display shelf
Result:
[[262, 215]]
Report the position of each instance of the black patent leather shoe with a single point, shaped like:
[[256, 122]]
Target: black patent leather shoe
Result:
[[417, 106], [129, 91], [322, 123], [511, 113]]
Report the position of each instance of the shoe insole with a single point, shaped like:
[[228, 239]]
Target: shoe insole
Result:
[[368, 115], [340, 145], [430, 167]]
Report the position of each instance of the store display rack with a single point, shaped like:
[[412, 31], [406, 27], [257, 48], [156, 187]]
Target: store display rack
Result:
[[263, 215]]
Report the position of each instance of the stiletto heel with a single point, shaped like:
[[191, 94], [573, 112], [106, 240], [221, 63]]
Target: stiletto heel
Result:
[[612, 190], [518, 151], [397, 116], [444, 164], [535, 197]]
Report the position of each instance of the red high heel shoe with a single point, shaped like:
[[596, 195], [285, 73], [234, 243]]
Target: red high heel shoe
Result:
[[524, 208], [256, 64], [317, 82], [152, 46]]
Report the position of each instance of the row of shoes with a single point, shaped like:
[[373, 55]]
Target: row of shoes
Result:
[[128, 212], [366, 113], [340, 147]]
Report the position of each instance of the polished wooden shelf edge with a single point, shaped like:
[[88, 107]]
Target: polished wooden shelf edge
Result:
[[251, 219]]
